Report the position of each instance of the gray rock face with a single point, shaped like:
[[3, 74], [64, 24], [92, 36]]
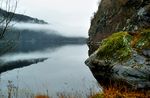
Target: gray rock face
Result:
[[132, 16], [135, 71], [146, 52], [117, 15]]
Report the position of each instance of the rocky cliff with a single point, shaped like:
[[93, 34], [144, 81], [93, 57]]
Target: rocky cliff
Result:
[[119, 42], [118, 15]]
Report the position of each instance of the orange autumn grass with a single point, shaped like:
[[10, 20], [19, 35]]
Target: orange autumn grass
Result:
[[113, 92], [119, 90], [122, 92], [41, 96]]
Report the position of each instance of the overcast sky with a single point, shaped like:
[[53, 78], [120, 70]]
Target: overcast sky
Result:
[[65, 16]]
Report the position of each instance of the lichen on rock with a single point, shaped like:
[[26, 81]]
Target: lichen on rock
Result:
[[123, 56]]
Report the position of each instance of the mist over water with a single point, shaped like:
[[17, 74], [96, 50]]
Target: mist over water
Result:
[[70, 17], [42, 61], [47, 28]]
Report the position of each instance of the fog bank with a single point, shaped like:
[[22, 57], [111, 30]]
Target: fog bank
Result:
[[65, 16], [48, 28]]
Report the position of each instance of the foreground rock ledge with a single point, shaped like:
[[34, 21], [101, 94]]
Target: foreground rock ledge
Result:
[[123, 56]]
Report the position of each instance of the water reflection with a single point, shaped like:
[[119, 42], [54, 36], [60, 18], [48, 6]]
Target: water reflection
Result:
[[43, 61], [10, 65], [62, 70], [25, 40]]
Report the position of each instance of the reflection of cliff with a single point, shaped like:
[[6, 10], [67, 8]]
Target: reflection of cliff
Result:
[[31, 40]]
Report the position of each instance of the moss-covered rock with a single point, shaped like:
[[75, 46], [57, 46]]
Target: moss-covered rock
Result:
[[117, 47], [117, 15], [142, 40], [123, 56]]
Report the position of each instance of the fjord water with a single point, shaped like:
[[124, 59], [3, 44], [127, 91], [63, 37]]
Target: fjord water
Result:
[[63, 71], [49, 67]]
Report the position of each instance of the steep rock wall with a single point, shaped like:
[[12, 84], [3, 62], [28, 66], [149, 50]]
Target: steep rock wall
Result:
[[117, 15]]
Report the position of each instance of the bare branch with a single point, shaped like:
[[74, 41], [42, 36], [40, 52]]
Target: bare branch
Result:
[[8, 17]]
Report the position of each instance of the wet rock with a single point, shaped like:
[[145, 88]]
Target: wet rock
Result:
[[125, 57], [146, 52]]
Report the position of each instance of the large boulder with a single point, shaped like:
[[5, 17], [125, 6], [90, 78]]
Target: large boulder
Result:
[[123, 56]]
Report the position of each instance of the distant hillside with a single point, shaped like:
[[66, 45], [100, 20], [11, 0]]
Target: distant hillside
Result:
[[21, 18], [33, 40]]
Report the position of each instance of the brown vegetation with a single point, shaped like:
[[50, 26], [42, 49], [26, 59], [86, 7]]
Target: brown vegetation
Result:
[[117, 92], [41, 96], [121, 90]]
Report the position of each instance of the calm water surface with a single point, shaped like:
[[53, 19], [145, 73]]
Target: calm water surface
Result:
[[63, 72]]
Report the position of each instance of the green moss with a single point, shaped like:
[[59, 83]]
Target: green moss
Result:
[[119, 46], [116, 46], [143, 40]]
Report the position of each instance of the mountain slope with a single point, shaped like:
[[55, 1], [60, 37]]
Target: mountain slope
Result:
[[21, 18]]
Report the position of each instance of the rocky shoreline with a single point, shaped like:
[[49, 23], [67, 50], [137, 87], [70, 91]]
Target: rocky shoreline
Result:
[[119, 42]]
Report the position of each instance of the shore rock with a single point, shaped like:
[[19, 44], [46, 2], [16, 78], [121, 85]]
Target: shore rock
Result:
[[123, 56]]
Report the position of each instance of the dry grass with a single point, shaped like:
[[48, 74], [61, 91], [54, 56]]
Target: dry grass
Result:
[[41, 96], [62, 96], [121, 91], [136, 37], [118, 93], [112, 92]]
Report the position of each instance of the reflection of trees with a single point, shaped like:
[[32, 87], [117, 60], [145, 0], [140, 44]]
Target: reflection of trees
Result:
[[5, 19], [19, 64], [5, 46]]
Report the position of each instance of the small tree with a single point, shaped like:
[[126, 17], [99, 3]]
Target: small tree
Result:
[[7, 12], [6, 17]]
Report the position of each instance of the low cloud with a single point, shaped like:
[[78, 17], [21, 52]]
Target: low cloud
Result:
[[48, 28]]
